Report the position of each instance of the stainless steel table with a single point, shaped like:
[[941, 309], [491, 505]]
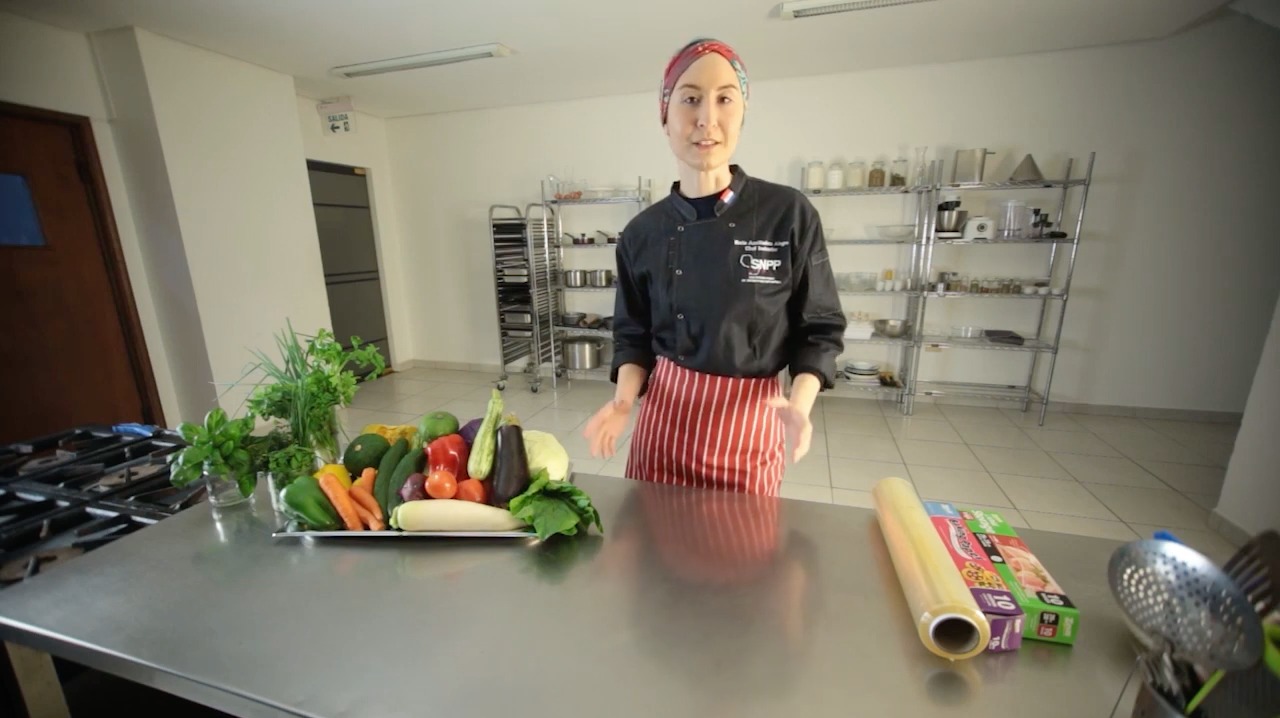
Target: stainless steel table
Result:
[[694, 603]]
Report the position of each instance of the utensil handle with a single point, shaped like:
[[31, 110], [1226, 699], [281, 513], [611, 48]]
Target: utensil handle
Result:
[[1204, 691]]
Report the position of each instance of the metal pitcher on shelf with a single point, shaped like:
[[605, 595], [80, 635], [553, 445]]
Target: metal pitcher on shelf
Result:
[[970, 165]]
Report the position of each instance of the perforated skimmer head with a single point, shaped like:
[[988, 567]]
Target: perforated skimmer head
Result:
[[1172, 592]]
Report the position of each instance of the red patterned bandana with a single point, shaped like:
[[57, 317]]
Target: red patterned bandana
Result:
[[686, 57]]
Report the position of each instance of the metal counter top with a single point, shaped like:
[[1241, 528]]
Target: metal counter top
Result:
[[694, 603]]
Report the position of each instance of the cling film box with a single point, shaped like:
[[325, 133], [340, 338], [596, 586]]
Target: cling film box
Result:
[[974, 564], [1050, 615]]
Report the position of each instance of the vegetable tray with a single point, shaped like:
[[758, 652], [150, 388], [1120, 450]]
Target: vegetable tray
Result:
[[404, 534], [526, 533]]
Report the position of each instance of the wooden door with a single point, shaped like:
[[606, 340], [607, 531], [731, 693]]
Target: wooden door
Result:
[[71, 347]]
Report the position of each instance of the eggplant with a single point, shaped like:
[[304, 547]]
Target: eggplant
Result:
[[510, 467], [469, 431]]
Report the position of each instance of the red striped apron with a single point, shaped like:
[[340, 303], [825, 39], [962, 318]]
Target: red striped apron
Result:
[[708, 431]]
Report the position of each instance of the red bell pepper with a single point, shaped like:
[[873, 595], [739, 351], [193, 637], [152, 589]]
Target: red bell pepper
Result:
[[449, 453]]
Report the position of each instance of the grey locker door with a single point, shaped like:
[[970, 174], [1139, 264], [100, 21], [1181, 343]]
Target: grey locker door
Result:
[[349, 254]]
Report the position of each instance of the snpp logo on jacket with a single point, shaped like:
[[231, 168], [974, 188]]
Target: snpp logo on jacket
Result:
[[762, 262]]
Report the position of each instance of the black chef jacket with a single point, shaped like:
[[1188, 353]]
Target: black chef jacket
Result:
[[745, 293]]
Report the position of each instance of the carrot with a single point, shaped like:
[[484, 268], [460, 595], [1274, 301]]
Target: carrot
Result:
[[366, 479], [373, 522], [365, 499], [341, 501]]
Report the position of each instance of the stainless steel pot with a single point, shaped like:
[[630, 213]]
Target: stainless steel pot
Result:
[[600, 277], [575, 277], [581, 353]]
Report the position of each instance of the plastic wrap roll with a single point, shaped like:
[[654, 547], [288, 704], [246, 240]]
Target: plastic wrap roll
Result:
[[948, 618]]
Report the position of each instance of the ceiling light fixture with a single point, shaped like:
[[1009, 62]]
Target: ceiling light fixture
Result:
[[814, 8], [428, 59]]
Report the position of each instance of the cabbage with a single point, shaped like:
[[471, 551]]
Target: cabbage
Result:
[[544, 451]]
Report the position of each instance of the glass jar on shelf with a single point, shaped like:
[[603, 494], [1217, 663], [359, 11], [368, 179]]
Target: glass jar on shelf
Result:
[[898, 173], [856, 175], [815, 177], [835, 175], [876, 178]]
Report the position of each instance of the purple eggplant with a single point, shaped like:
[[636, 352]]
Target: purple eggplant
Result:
[[469, 431]]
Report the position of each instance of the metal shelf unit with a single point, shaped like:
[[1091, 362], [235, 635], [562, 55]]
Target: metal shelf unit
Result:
[[1041, 342], [923, 244], [553, 226], [524, 265]]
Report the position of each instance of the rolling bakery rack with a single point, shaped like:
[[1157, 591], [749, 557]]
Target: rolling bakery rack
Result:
[[525, 270]]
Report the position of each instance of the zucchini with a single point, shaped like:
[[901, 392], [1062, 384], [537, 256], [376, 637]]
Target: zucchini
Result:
[[412, 463], [386, 468], [480, 463]]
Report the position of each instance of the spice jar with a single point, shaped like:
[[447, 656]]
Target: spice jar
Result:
[[1017, 286], [856, 176], [875, 178], [975, 286], [814, 177], [898, 175]]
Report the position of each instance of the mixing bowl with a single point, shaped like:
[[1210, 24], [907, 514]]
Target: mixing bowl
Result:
[[892, 328]]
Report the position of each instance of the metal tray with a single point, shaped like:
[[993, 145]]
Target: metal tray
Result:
[[528, 533]]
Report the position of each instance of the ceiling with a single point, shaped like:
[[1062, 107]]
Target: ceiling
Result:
[[567, 49]]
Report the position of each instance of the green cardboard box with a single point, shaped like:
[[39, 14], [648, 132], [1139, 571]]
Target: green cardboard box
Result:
[[1050, 615]]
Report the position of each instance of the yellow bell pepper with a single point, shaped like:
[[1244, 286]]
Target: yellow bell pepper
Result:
[[338, 470]]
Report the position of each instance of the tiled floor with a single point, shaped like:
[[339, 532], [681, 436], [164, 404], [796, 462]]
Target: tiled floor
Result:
[[1104, 476]]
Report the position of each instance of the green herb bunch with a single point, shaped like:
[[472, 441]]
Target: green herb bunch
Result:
[[218, 448], [312, 377]]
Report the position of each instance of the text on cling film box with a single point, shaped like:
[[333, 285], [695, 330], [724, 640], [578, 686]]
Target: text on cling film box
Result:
[[974, 565], [1050, 615]]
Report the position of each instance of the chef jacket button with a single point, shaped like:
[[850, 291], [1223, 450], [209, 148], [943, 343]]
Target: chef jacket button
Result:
[[681, 357], [732, 225], [679, 271], [679, 316], [680, 228]]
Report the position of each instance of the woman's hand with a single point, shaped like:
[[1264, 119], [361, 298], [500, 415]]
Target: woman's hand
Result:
[[606, 426], [797, 425]]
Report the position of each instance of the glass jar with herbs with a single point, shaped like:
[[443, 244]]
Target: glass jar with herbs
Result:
[[898, 173]]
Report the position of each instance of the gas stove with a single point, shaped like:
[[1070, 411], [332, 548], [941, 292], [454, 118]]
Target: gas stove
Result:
[[68, 493]]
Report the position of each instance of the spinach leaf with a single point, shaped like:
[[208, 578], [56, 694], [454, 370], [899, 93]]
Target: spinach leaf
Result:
[[554, 507]]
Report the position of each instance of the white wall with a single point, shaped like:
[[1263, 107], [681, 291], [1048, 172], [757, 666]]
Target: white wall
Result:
[[234, 157], [67, 81], [155, 217], [367, 148], [1177, 260], [1251, 495]]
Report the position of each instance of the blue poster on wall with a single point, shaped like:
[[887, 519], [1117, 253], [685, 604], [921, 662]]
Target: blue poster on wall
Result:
[[19, 223]]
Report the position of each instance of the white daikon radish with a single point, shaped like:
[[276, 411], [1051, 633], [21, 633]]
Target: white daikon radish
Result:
[[452, 515]]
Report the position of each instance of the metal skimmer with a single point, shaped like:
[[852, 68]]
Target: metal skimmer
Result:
[[1173, 594]]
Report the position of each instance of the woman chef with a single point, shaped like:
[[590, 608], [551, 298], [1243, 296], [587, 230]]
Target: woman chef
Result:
[[721, 285]]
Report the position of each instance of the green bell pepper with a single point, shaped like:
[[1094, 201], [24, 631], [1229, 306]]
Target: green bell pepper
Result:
[[305, 501]]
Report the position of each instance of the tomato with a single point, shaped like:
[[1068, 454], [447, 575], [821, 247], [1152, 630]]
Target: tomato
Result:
[[441, 485], [473, 490]]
